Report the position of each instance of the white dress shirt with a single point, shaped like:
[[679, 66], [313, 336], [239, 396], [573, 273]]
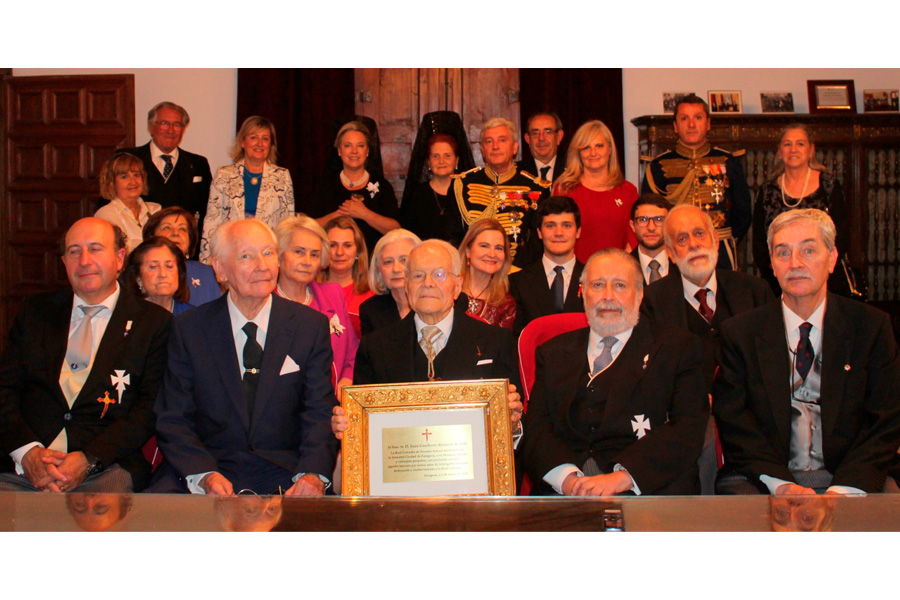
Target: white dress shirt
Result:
[[690, 290], [662, 258], [445, 325], [567, 266], [551, 164], [156, 157]]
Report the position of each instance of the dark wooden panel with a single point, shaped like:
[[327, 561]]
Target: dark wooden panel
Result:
[[56, 133]]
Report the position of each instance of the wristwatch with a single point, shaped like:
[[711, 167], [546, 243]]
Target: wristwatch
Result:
[[94, 465]]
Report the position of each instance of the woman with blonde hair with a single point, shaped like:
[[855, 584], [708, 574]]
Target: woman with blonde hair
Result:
[[595, 181], [122, 181], [303, 251], [354, 192], [253, 186], [485, 251], [348, 265]]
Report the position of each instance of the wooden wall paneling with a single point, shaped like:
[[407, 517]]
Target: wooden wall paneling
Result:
[[56, 133], [489, 93]]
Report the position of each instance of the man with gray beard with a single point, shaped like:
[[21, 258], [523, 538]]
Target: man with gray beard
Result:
[[619, 407], [701, 296]]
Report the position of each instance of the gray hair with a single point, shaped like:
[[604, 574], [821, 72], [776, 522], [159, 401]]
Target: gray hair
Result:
[[455, 260], [615, 253], [704, 216], [221, 241], [817, 217], [288, 226], [151, 114], [497, 122], [376, 281]]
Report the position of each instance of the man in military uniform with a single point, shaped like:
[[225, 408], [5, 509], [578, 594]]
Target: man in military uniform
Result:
[[698, 174], [500, 191]]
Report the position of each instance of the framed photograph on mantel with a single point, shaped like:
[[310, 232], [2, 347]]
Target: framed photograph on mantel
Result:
[[881, 101], [777, 102], [831, 96], [442, 438], [725, 102]]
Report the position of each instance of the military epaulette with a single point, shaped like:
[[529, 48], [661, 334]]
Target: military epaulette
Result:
[[472, 170], [644, 157], [735, 153], [536, 179]]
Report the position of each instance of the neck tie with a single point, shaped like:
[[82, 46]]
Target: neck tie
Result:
[[654, 271], [253, 354], [557, 289], [430, 333], [605, 358], [544, 171], [81, 344], [167, 170], [705, 311], [805, 353]]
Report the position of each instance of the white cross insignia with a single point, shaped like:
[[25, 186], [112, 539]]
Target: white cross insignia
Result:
[[195, 282], [640, 426], [618, 202], [120, 380]]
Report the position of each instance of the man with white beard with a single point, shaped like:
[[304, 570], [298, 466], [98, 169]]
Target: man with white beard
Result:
[[619, 407], [701, 296]]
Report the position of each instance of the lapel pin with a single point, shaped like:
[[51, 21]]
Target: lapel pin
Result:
[[846, 367], [121, 380], [195, 282], [477, 351], [106, 400], [646, 358], [128, 327], [640, 426]]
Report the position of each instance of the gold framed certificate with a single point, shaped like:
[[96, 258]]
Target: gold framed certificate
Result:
[[441, 438]]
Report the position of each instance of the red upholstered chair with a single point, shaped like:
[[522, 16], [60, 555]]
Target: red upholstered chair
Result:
[[536, 333]]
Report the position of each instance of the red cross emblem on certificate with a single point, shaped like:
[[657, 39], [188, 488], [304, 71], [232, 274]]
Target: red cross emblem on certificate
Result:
[[427, 433]]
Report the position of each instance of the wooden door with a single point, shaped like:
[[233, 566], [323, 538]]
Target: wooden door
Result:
[[56, 133], [398, 99]]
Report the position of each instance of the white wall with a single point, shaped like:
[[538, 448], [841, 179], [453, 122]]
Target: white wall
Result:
[[209, 96], [643, 89]]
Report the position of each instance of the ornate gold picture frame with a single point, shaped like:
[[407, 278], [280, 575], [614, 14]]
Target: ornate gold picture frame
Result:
[[437, 438]]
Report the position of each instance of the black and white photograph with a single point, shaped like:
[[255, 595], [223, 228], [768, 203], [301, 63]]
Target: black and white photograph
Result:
[[777, 102], [670, 99]]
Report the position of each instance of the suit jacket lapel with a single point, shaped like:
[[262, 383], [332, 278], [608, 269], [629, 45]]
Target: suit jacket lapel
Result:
[[400, 351], [538, 289], [572, 364], [281, 331], [111, 348], [573, 301], [228, 365], [837, 342], [631, 370], [771, 349], [672, 305], [735, 293], [58, 339]]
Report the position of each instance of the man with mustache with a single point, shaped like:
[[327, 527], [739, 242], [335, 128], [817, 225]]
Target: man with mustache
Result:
[[619, 407], [806, 397], [500, 190], [700, 297]]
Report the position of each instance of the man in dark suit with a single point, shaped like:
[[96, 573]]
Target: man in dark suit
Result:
[[247, 396], [437, 339], [175, 176], [79, 376], [543, 133], [699, 297], [551, 285], [620, 406], [647, 216], [806, 396]]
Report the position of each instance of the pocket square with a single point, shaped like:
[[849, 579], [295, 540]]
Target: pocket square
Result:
[[289, 366], [486, 361], [197, 179]]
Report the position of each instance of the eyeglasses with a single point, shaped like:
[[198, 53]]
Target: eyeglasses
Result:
[[546, 131], [437, 275], [643, 221], [172, 124]]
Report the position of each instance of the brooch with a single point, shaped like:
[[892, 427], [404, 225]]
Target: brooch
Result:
[[372, 188], [640, 426], [106, 400], [336, 327]]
